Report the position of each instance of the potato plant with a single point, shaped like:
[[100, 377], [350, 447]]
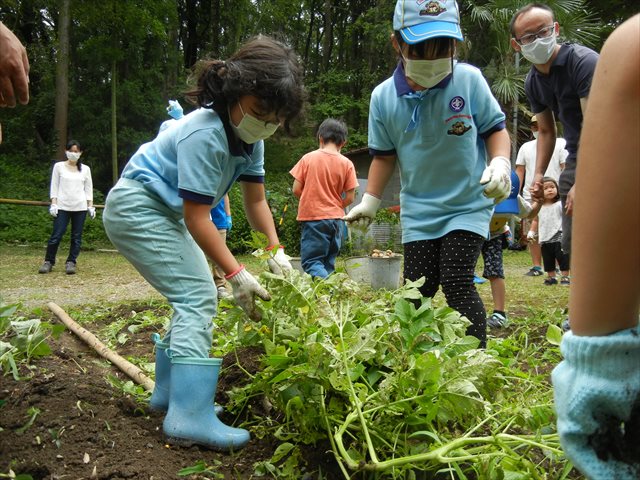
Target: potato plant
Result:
[[394, 385]]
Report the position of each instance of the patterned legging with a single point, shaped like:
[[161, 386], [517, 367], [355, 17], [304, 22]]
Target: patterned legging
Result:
[[450, 261]]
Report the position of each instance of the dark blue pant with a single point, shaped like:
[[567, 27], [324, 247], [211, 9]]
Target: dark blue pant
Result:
[[319, 246], [59, 228], [450, 261]]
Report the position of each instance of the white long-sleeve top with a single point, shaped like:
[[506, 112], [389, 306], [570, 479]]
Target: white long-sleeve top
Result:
[[71, 188]]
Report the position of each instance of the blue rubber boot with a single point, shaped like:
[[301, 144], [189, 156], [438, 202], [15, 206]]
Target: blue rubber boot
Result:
[[191, 418], [160, 397]]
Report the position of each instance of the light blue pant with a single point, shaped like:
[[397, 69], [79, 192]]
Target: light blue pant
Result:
[[156, 241]]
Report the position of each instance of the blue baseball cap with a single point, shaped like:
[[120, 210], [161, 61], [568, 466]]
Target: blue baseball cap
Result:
[[420, 20], [510, 205]]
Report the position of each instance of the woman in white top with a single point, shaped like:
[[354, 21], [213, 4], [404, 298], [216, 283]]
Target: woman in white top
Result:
[[71, 199]]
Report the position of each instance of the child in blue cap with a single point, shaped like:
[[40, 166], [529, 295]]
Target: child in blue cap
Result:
[[438, 120]]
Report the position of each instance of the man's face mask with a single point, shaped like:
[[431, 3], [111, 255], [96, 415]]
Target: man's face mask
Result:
[[427, 73], [73, 157], [251, 130], [539, 52]]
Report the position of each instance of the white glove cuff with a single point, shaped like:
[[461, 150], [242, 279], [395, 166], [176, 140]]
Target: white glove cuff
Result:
[[370, 202], [501, 162], [239, 277]]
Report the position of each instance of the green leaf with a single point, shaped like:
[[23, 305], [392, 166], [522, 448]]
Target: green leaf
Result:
[[554, 334], [281, 452]]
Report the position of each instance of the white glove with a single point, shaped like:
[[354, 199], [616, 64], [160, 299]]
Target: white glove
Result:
[[92, 212], [245, 289], [279, 262], [362, 214], [175, 109], [524, 207], [53, 210], [531, 236], [497, 179]]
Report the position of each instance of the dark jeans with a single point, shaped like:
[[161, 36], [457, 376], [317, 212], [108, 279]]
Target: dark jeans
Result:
[[319, 246], [59, 228], [450, 261]]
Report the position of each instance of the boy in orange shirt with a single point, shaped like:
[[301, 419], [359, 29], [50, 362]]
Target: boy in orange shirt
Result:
[[325, 182]]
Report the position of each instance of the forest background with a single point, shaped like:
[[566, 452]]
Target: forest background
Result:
[[102, 73]]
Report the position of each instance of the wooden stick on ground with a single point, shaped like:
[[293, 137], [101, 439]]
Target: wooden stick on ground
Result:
[[90, 339]]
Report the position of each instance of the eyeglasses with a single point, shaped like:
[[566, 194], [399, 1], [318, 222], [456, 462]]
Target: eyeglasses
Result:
[[532, 37]]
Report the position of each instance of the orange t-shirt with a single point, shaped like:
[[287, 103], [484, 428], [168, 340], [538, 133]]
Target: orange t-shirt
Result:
[[324, 176]]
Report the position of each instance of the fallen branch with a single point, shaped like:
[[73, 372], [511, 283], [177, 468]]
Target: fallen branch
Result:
[[90, 339], [33, 203]]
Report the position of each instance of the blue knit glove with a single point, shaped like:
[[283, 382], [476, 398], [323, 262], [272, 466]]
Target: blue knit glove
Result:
[[597, 397]]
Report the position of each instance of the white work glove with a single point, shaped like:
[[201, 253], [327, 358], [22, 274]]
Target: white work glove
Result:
[[524, 207], [362, 214], [92, 212], [279, 263], [497, 179], [53, 210], [175, 109], [531, 236], [245, 289]]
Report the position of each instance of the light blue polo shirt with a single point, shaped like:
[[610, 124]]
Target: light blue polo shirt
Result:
[[438, 137], [193, 159]]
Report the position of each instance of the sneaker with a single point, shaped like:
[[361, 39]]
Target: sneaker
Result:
[[46, 267], [534, 272], [550, 281], [496, 321], [223, 293], [565, 280], [565, 325], [70, 268]]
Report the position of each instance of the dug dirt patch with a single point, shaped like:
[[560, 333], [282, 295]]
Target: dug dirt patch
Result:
[[87, 429]]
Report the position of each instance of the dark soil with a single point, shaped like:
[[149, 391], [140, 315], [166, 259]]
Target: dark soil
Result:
[[87, 429]]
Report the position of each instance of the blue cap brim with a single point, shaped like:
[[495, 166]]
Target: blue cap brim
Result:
[[510, 206], [429, 30]]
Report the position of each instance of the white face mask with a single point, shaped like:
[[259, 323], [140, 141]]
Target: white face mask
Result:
[[251, 130], [539, 52], [73, 157], [427, 73], [535, 135]]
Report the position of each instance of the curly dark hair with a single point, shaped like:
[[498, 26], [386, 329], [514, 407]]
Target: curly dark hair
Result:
[[262, 67]]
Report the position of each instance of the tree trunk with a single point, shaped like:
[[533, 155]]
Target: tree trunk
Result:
[[62, 79], [327, 42]]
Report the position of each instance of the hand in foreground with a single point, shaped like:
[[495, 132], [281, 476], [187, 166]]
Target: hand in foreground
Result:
[[92, 212], [362, 214], [496, 179], [14, 69], [279, 263], [597, 399], [245, 289], [53, 210]]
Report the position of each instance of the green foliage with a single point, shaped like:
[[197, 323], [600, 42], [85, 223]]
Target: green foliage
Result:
[[395, 386], [22, 340]]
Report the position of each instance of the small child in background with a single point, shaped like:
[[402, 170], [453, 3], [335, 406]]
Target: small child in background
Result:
[[325, 182], [549, 227], [492, 248]]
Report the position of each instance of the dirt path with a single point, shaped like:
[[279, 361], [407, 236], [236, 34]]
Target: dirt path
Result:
[[103, 277]]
